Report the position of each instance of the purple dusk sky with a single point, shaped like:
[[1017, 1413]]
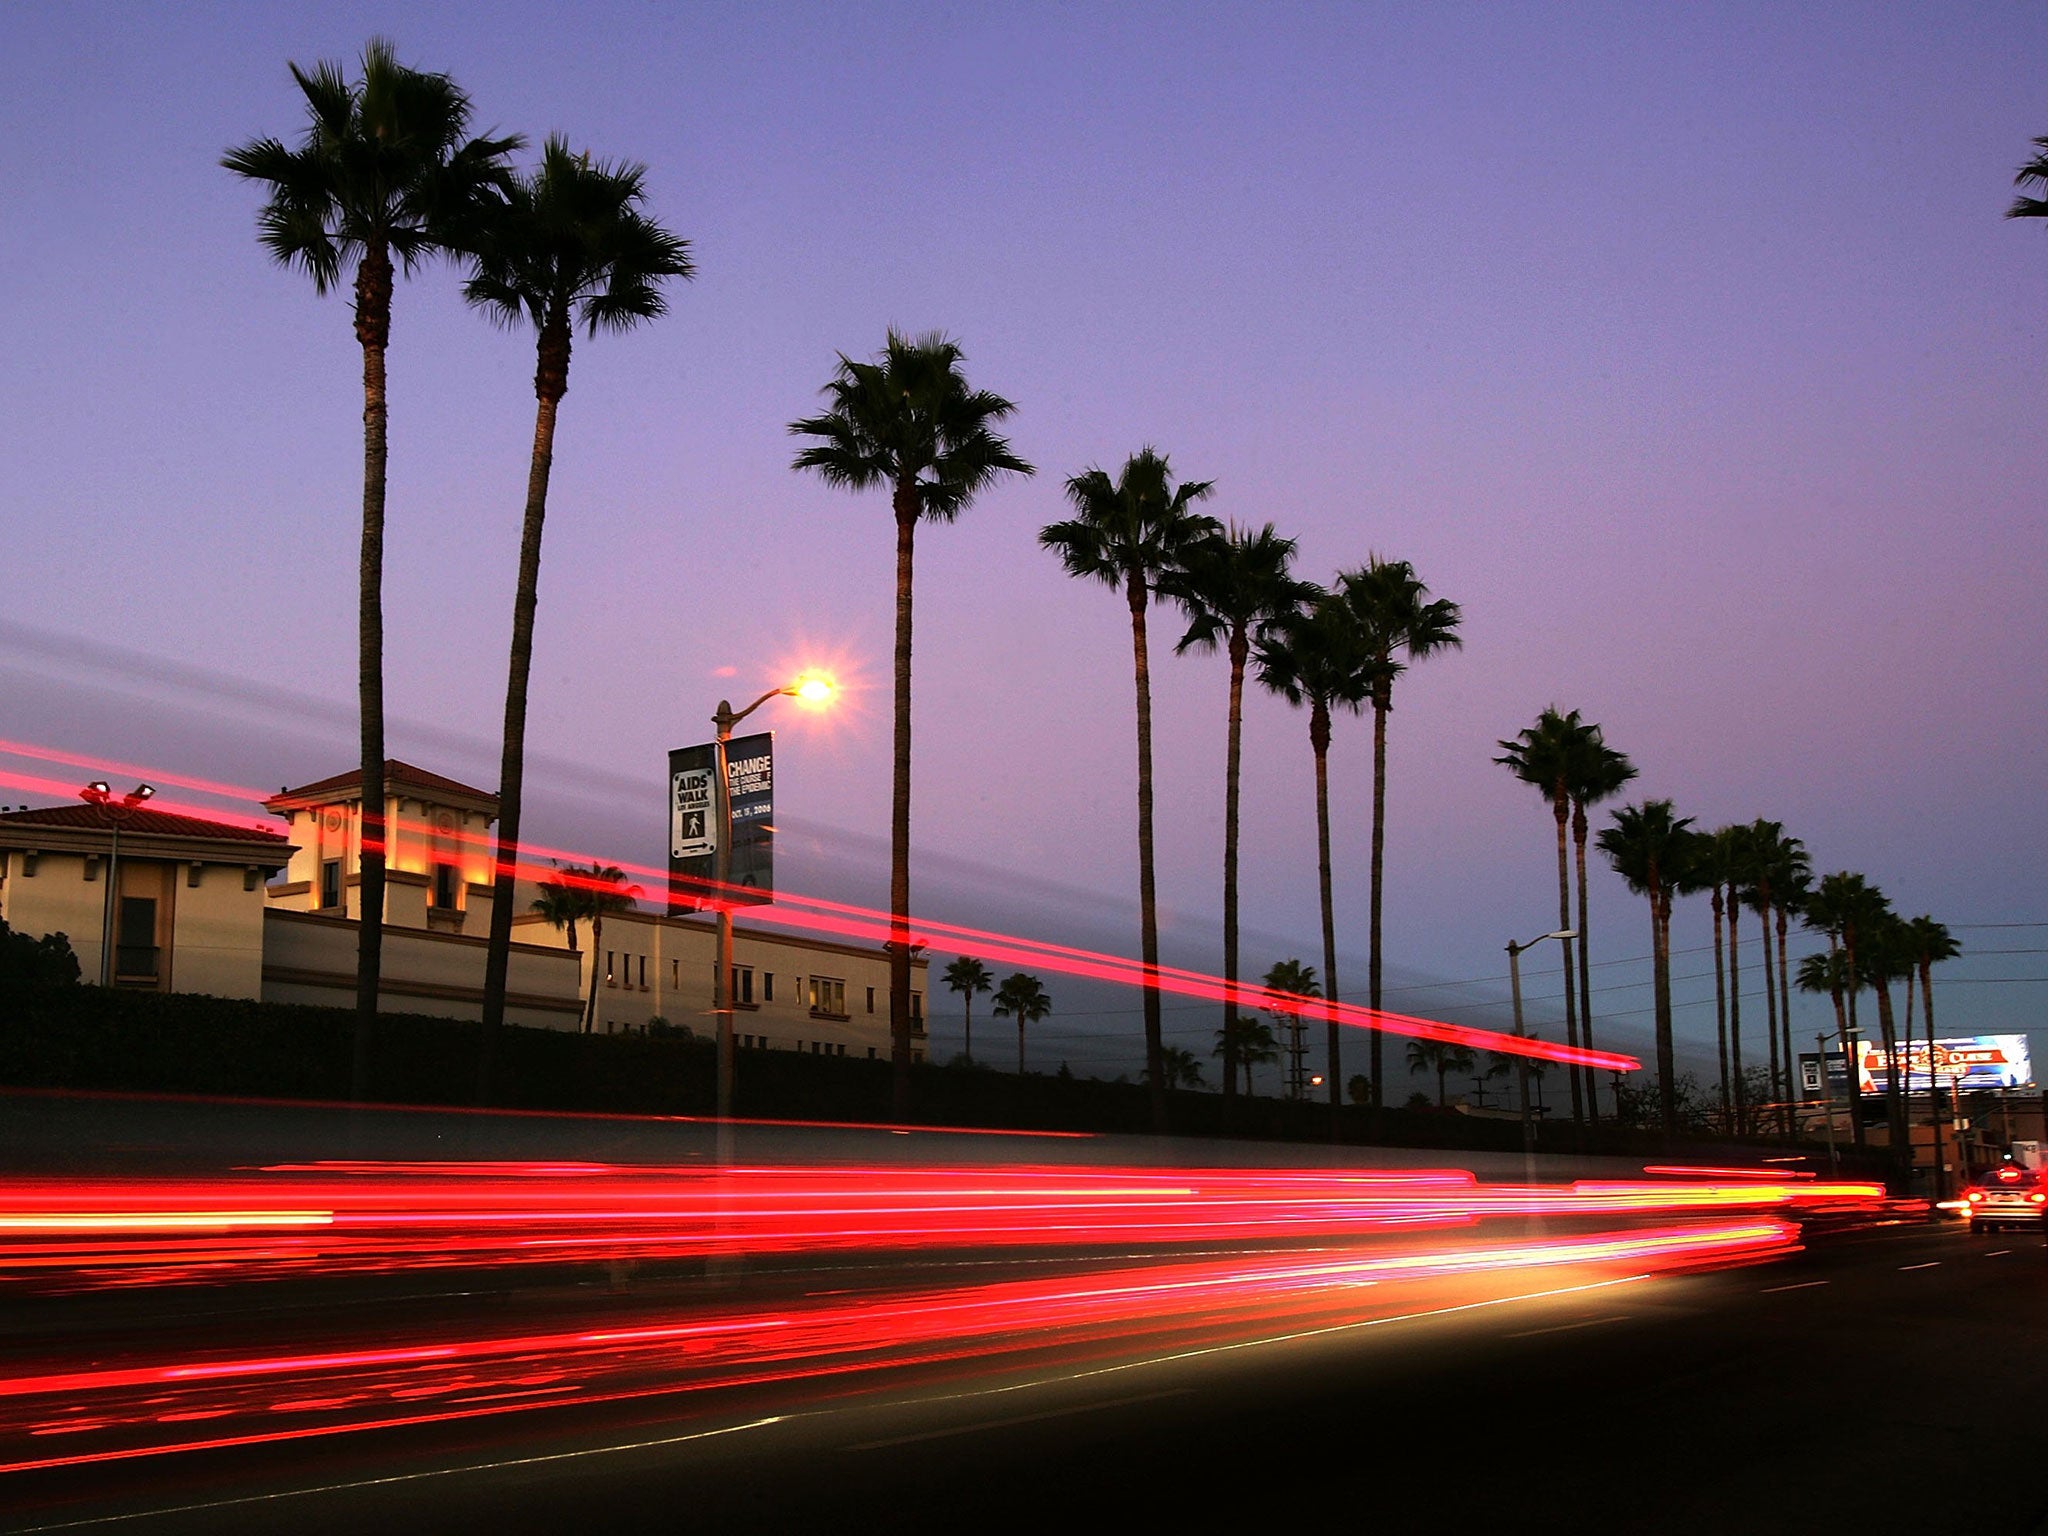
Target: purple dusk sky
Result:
[[1684, 345]]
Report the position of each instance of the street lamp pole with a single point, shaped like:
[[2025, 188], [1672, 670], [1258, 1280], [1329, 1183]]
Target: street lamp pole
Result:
[[1827, 1099], [814, 690], [113, 813], [1522, 1061]]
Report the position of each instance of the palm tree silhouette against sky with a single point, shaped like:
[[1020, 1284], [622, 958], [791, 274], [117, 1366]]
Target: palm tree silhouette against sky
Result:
[[1401, 623], [1317, 656], [1648, 846], [1023, 998], [1131, 533], [385, 169], [567, 243], [967, 976], [1233, 585], [909, 422]]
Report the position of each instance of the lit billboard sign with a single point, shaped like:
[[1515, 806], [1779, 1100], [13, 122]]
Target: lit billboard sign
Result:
[[1970, 1062], [694, 824]]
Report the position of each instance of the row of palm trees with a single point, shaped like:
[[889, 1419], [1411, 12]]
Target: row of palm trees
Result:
[[1022, 997], [384, 176], [1756, 867]]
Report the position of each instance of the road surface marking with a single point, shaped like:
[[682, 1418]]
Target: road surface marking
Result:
[[1930, 1264], [1020, 1418], [1804, 1285], [1998, 1253], [1591, 1322]]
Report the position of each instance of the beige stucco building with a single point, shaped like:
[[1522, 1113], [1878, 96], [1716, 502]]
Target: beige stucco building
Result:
[[182, 895], [789, 992]]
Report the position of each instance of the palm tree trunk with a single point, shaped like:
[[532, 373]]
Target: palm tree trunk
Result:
[[1148, 901], [1853, 987], [1240, 652], [1319, 742], [1785, 1024], [1894, 1097], [1382, 703], [596, 959], [1721, 1015], [553, 367], [373, 331], [967, 1029], [1660, 974], [1585, 984], [1763, 922], [1561, 808], [907, 505], [1735, 1012], [1933, 1081], [1442, 1095]]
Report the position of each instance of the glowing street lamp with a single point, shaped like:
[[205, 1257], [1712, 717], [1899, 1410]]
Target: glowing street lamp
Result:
[[1522, 1062], [113, 813], [814, 690]]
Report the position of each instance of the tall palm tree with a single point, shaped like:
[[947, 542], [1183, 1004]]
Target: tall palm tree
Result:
[[1247, 1041], [1131, 533], [567, 243], [909, 422], [1183, 1070], [1023, 998], [564, 904], [1706, 869], [1845, 906], [1233, 586], [1884, 956], [1442, 1058], [1290, 978], [2033, 174], [1929, 943], [1827, 974], [968, 976], [1598, 773], [603, 890], [1648, 847], [1736, 854], [1401, 623], [1781, 872], [384, 169], [1545, 756], [1317, 657]]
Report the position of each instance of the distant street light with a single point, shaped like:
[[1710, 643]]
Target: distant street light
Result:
[[816, 691], [1521, 1061], [113, 813]]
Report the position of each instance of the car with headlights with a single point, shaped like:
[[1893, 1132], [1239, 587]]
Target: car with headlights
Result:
[[2007, 1196]]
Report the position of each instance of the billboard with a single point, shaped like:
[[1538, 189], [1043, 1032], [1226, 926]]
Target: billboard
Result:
[[694, 824], [1970, 1062]]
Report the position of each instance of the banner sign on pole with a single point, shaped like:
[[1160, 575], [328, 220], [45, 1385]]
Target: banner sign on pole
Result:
[[694, 827]]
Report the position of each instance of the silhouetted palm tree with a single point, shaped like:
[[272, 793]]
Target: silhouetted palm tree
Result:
[[909, 422], [1648, 846], [1400, 623], [1844, 906], [1290, 978], [1249, 1043], [568, 243], [1929, 943], [564, 904], [1022, 997], [1545, 755], [384, 169], [1442, 1058], [1129, 533], [1318, 657], [1779, 871], [1598, 774], [1233, 585], [968, 976], [604, 891], [2033, 174], [1183, 1070]]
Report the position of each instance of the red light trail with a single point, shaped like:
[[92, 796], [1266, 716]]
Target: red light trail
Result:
[[845, 921]]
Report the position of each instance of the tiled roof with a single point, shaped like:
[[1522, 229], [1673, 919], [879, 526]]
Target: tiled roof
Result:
[[397, 775], [141, 819]]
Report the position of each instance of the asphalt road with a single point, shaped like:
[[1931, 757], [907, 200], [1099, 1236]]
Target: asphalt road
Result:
[[1887, 1380]]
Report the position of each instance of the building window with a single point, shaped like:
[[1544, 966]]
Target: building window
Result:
[[609, 979], [871, 999], [675, 974], [643, 973], [444, 887], [330, 883], [767, 986], [740, 985], [917, 1005], [871, 1053], [828, 995], [135, 951]]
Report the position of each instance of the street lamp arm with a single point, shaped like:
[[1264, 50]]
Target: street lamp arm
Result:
[[725, 719]]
